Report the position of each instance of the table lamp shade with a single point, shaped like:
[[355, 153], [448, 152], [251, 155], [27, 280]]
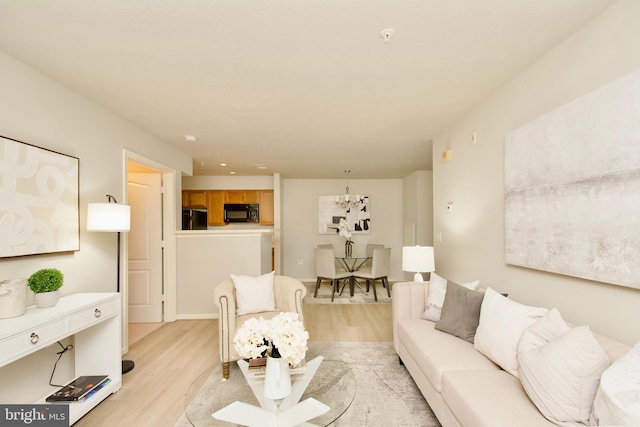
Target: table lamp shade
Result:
[[418, 259], [108, 217]]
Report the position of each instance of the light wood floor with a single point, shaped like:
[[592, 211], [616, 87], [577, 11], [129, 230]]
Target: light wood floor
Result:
[[171, 358]]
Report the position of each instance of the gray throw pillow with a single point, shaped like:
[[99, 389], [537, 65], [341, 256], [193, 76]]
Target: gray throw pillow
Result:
[[460, 312]]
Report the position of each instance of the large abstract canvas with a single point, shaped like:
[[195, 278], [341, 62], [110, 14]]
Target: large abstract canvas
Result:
[[329, 214], [572, 188], [38, 200]]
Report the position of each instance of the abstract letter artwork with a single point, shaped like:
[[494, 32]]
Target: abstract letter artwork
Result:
[[38, 200]]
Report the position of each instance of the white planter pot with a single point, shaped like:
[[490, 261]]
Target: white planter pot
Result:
[[46, 299]]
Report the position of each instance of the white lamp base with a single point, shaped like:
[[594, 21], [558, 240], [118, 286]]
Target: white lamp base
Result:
[[418, 277]]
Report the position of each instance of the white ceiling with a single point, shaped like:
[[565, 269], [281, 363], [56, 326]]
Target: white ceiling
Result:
[[306, 88]]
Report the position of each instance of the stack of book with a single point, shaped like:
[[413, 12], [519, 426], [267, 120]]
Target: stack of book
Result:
[[80, 389]]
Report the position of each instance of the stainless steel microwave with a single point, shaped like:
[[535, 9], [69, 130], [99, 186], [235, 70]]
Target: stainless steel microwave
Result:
[[241, 212]]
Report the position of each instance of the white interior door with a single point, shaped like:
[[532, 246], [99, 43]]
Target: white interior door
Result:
[[145, 248]]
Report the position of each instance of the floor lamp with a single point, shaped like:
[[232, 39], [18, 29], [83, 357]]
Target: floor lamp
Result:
[[418, 259], [115, 218]]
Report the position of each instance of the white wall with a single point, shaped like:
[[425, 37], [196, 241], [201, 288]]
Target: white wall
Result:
[[38, 110], [227, 182], [417, 211], [472, 244], [300, 222]]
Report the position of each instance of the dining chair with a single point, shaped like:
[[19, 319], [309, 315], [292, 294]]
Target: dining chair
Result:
[[326, 270], [369, 251], [339, 266], [379, 270]]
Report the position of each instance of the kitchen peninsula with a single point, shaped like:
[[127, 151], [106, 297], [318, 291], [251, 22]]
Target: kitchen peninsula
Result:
[[207, 257]]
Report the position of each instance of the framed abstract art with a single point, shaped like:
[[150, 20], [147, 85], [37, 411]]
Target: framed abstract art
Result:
[[39, 200]]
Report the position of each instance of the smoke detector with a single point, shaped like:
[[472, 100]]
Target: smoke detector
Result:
[[387, 34]]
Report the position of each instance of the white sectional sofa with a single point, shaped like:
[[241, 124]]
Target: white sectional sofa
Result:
[[462, 386]]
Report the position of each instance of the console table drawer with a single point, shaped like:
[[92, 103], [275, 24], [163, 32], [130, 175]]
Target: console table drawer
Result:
[[32, 340], [94, 314]]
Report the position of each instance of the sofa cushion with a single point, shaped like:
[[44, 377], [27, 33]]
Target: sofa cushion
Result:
[[560, 368], [501, 324], [616, 402], [437, 352], [460, 312], [489, 398], [254, 294], [437, 294]]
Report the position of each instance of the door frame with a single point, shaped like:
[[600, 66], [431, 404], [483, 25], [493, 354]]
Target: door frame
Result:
[[169, 242]]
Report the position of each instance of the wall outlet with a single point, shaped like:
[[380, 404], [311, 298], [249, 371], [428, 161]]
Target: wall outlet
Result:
[[299, 261]]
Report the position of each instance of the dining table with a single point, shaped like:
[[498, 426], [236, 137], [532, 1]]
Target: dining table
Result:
[[352, 264]]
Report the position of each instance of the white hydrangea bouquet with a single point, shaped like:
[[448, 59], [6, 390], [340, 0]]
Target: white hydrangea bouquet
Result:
[[282, 336]]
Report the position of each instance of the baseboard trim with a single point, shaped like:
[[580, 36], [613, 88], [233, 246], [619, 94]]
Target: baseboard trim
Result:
[[197, 316]]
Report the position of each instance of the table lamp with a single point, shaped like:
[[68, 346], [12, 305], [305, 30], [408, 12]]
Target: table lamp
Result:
[[418, 259], [115, 218]]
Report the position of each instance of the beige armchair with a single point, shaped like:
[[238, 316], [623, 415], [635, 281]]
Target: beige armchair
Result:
[[288, 297]]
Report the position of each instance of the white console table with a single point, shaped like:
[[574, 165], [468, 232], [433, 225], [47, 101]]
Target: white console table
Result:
[[93, 319]]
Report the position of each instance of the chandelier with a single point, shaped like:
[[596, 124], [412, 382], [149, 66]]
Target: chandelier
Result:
[[346, 200]]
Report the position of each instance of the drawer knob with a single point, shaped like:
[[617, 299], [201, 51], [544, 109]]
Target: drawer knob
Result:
[[34, 338], [97, 312]]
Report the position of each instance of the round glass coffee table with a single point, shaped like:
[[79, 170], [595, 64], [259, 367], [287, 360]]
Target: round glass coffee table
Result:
[[333, 384]]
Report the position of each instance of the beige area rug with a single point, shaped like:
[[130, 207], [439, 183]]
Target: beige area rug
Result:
[[385, 392], [359, 297]]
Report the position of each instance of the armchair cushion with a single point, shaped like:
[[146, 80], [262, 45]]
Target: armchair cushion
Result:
[[254, 294]]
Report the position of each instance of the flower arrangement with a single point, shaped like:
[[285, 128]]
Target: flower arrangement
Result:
[[282, 336], [345, 230]]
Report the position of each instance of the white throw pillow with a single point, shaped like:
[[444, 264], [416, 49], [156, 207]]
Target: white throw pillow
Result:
[[501, 324], [560, 368], [436, 294], [617, 401], [254, 294]]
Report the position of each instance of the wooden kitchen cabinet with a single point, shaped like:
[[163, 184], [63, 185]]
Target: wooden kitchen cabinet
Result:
[[242, 196], [215, 206], [214, 200], [266, 207], [194, 199]]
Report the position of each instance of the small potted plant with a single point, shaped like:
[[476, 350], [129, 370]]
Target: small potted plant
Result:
[[45, 284]]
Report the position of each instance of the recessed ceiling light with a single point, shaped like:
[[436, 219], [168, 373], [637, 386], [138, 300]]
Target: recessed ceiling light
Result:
[[232, 173], [261, 166], [223, 164], [190, 138]]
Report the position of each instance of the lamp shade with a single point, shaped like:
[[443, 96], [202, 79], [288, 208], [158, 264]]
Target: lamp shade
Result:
[[108, 217], [418, 259]]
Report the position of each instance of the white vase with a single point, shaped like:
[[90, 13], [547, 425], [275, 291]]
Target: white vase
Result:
[[46, 299], [277, 378]]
